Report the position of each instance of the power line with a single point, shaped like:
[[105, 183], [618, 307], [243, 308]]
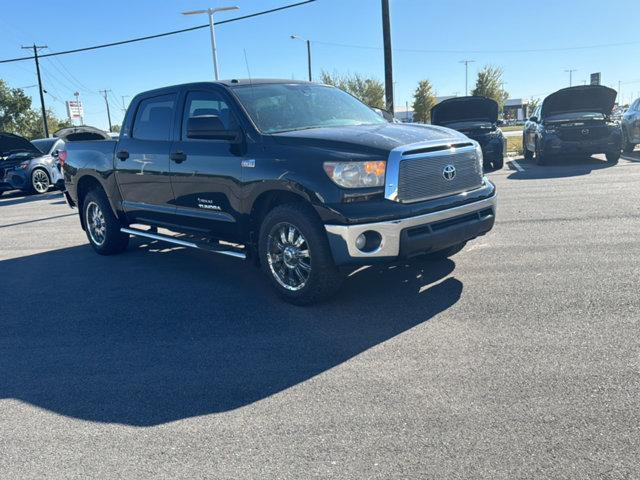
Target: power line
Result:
[[526, 50], [159, 35]]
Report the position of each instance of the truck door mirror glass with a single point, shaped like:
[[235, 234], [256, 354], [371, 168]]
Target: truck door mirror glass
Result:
[[209, 127]]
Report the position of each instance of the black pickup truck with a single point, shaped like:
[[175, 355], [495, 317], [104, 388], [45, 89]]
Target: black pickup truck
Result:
[[302, 178]]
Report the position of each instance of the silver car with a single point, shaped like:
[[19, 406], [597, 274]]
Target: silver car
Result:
[[23, 166]]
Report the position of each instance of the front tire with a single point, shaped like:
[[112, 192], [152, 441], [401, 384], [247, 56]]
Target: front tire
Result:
[[295, 255], [528, 154], [447, 252], [540, 158], [498, 163], [613, 157], [40, 181], [627, 146], [101, 224]]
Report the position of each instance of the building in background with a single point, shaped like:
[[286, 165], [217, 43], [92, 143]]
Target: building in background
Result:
[[516, 109]]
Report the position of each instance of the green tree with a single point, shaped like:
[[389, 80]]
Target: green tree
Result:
[[15, 109], [489, 84], [368, 90], [18, 116], [116, 128], [423, 100]]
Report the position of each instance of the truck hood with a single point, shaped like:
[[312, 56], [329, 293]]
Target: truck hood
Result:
[[464, 109], [11, 143], [379, 138], [81, 133], [583, 98]]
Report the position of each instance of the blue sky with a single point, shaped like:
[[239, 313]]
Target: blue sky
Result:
[[346, 35]]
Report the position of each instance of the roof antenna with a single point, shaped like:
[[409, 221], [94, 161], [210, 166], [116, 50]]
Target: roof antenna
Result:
[[247, 64]]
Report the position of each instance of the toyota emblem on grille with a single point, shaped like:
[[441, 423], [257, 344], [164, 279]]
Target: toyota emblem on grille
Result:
[[585, 131], [449, 172]]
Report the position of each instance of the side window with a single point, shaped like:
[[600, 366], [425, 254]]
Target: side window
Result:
[[207, 103], [154, 118]]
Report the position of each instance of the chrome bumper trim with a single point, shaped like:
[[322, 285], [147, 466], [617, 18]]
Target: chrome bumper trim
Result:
[[390, 230]]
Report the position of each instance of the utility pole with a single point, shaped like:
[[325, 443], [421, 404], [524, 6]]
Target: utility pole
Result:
[[570, 72], [466, 75], [44, 111], [388, 60], [106, 101]]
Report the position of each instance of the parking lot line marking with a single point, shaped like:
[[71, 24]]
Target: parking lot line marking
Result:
[[517, 165]]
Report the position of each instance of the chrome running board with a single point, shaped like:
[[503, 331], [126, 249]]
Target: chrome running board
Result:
[[182, 243]]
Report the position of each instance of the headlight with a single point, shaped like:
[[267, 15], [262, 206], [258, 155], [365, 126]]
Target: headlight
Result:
[[25, 165], [356, 174], [479, 156]]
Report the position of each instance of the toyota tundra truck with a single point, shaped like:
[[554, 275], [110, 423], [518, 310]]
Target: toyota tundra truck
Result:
[[302, 178]]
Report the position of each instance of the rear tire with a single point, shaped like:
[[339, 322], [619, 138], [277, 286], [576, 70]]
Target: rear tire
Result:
[[498, 163], [295, 255], [101, 224]]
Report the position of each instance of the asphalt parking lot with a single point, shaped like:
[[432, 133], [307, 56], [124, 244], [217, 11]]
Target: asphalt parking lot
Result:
[[518, 358]]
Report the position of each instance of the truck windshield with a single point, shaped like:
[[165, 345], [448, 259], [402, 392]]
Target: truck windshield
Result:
[[282, 107]]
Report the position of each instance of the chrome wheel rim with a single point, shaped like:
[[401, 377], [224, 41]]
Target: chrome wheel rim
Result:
[[288, 256], [96, 223], [40, 181]]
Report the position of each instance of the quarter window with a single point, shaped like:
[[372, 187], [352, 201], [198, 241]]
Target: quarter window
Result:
[[154, 118]]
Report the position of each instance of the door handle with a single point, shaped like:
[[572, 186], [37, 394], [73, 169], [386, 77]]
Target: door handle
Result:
[[122, 155], [178, 157]]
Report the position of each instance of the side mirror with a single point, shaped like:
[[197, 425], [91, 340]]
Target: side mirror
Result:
[[533, 119], [55, 153], [210, 127]]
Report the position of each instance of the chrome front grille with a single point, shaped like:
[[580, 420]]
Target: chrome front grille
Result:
[[421, 177]]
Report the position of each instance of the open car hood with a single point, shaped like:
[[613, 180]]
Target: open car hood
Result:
[[461, 109], [583, 98], [84, 132], [11, 143]]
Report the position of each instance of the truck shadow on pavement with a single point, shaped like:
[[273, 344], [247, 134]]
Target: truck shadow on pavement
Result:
[[157, 335], [17, 197], [559, 168]]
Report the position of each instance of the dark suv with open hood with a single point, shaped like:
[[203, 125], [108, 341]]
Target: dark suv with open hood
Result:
[[574, 120], [477, 118]]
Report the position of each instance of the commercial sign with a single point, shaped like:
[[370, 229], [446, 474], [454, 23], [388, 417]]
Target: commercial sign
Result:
[[595, 78], [74, 109]]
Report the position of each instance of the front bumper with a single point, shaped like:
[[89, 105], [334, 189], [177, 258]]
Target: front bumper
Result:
[[411, 236], [554, 145]]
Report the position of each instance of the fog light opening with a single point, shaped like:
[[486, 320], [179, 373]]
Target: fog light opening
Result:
[[369, 241]]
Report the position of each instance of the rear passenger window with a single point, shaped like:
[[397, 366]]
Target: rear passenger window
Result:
[[154, 118], [207, 103]]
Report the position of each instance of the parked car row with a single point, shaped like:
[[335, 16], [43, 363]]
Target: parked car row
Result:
[[34, 166]]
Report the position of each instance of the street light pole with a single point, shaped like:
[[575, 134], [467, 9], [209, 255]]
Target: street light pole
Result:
[[210, 12], [298, 37], [466, 75], [570, 72]]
